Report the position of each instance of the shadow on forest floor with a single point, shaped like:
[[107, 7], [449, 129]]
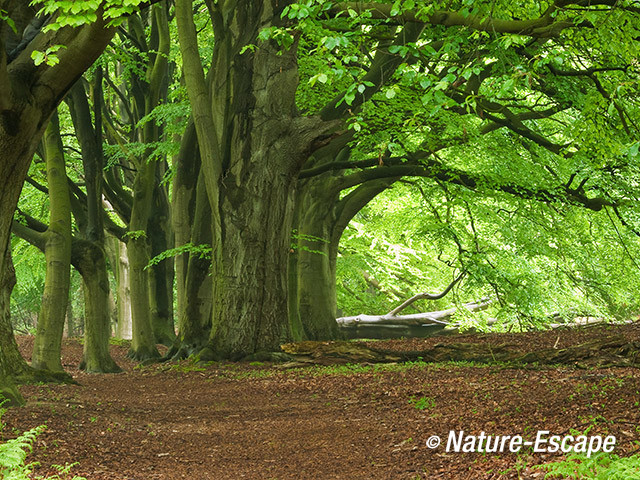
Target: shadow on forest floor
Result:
[[254, 420]]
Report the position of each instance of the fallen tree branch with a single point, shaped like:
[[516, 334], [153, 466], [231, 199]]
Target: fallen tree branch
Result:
[[426, 296], [440, 317]]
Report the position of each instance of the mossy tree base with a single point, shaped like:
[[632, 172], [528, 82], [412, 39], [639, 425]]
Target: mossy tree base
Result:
[[105, 366], [183, 349], [32, 375], [143, 354]]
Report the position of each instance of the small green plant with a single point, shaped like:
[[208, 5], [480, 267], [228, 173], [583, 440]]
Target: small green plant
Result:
[[422, 403], [600, 466]]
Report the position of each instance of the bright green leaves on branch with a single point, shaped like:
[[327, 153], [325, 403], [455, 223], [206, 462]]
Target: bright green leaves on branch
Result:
[[75, 13], [48, 56]]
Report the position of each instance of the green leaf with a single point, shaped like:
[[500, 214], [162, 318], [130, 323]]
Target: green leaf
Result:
[[38, 57]]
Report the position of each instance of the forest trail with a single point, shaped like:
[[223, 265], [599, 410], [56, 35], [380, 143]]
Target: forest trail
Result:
[[257, 421]]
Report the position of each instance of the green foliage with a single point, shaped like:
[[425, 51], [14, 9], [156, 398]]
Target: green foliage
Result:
[[75, 13], [14, 452], [600, 466], [4, 17], [201, 251], [136, 234], [48, 56]]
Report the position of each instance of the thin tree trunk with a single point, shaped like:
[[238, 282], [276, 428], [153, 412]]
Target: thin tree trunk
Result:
[[195, 314], [123, 281], [47, 344], [161, 275], [89, 255], [90, 261], [143, 345]]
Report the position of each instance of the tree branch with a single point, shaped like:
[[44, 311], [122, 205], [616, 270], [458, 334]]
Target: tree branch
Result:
[[543, 26], [426, 296]]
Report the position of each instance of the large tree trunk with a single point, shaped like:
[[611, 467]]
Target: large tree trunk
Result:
[[48, 341], [252, 143], [315, 268], [321, 220], [29, 95]]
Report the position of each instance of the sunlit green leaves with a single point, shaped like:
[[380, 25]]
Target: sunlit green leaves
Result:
[[75, 13], [48, 56]]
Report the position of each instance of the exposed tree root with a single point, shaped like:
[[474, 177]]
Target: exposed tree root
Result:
[[31, 375], [144, 355], [106, 366], [181, 350]]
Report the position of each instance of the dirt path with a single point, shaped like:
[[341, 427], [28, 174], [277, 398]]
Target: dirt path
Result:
[[236, 421]]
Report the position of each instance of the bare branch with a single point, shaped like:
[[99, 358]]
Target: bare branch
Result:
[[426, 296]]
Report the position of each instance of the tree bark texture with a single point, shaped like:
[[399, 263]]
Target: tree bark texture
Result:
[[161, 275]]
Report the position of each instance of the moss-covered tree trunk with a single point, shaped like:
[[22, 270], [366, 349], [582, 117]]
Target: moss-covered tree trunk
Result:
[[143, 343], [48, 340], [29, 95], [194, 314], [186, 168], [320, 222], [90, 260], [315, 291]]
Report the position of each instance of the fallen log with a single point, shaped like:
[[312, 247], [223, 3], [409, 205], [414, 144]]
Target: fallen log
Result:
[[612, 351], [441, 317]]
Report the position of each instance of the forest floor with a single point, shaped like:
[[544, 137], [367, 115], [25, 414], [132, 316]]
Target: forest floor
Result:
[[260, 422]]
